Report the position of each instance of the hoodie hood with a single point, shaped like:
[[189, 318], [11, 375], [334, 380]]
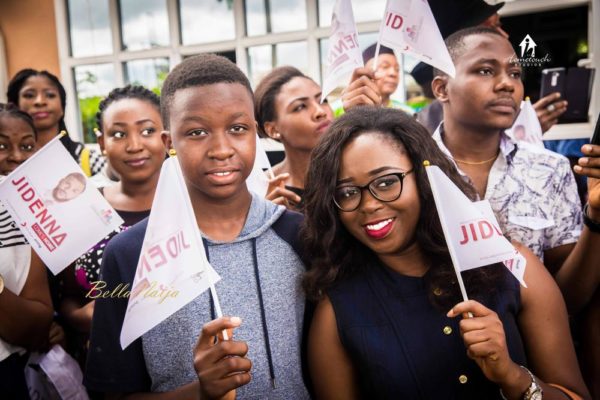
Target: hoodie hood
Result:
[[261, 215]]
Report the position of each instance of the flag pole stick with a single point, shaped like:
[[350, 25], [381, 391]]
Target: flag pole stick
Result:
[[376, 55], [211, 283], [436, 196]]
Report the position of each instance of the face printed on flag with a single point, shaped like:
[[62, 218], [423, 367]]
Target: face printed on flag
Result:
[[343, 55], [48, 196], [526, 127]]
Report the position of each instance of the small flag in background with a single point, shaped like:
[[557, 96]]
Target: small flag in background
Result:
[[173, 268], [409, 27], [343, 55], [257, 181], [472, 233], [527, 126], [48, 197]]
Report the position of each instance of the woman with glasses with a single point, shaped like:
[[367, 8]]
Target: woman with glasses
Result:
[[390, 322]]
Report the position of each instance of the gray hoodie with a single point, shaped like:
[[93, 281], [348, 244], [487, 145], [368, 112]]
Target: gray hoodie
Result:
[[260, 283]]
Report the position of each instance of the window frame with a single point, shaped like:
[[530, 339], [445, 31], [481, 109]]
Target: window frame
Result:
[[176, 51]]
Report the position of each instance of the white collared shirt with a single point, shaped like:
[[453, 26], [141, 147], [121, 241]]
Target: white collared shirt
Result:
[[533, 194]]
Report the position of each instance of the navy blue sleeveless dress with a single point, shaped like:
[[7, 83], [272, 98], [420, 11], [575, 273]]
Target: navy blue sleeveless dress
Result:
[[405, 348]]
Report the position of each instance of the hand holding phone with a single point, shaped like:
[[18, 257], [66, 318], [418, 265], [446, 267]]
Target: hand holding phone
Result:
[[553, 80]]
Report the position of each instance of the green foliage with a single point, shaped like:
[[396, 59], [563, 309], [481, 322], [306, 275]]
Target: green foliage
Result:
[[88, 107]]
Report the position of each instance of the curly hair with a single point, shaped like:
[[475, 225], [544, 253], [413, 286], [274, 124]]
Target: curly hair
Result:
[[334, 252], [12, 111], [266, 92], [200, 70], [127, 92]]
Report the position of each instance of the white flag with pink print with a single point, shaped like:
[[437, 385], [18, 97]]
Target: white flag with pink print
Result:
[[472, 232], [173, 268], [526, 127], [257, 181], [409, 27], [343, 55]]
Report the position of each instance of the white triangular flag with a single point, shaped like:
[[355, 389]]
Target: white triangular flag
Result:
[[472, 233], [526, 127], [343, 55], [173, 268], [410, 27], [47, 197], [257, 181]]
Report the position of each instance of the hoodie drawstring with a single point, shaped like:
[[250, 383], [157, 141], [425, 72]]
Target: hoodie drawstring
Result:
[[213, 313], [260, 300], [262, 313]]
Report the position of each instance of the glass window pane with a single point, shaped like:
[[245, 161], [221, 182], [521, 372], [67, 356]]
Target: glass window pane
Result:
[[89, 28], [268, 16], [364, 10], [144, 24], [230, 54], [150, 73], [206, 21], [262, 59], [92, 82]]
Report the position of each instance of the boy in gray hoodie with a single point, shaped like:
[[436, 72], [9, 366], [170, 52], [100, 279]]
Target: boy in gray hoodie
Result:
[[207, 108]]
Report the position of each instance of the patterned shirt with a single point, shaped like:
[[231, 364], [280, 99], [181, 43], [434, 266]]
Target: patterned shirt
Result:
[[87, 266], [533, 194]]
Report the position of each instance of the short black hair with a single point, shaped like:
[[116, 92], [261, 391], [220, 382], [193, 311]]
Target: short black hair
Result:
[[12, 111], [200, 70], [369, 52], [17, 82], [127, 92], [266, 92], [456, 42]]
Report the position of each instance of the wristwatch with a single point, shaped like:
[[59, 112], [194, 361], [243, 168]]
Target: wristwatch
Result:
[[592, 225], [1, 284], [534, 391]]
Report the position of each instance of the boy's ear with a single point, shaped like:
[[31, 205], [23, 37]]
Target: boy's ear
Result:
[[166, 139], [271, 131], [439, 86]]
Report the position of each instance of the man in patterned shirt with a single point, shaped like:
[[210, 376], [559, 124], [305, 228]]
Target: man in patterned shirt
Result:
[[532, 191]]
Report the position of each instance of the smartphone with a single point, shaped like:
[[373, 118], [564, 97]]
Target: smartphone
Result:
[[596, 137], [553, 80], [577, 91]]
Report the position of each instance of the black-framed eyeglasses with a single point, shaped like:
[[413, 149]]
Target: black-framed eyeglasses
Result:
[[384, 188]]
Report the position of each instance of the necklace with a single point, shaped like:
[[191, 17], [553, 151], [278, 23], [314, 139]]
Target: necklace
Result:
[[476, 162]]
